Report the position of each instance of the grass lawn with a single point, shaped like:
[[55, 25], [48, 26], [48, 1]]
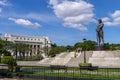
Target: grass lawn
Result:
[[72, 72], [71, 75]]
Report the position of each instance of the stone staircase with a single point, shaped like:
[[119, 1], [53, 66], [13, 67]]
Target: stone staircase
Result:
[[62, 60], [105, 59], [109, 59], [73, 62], [67, 59], [62, 55], [46, 61]]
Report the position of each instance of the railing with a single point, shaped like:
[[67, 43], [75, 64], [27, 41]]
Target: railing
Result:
[[59, 73]]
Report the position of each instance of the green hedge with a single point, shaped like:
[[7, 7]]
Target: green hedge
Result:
[[6, 59], [85, 64]]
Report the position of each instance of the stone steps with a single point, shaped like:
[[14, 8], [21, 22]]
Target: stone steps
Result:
[[80, 59], [73, 62], [61, 55], [62, 61], [46, 61]]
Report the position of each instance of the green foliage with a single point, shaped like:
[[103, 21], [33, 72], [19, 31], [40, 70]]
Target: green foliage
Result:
[[36, 57], [12, 62], [79, 44], [4, 47], [87, 45], [70, 48], [54, 45], [2, 43], [85, 64], [56, 50], [114, 46], [6, 53], [5, 44], [53, 52], [6, 59], [107, 46]]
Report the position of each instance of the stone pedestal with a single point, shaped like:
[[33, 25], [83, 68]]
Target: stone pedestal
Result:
[[98, 48]]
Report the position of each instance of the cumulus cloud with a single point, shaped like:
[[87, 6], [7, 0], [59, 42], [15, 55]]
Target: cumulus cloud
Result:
[[0, 10], [75, 14], [105, 19], [113, 19], [53, 2], [24, 22], [4, 3]]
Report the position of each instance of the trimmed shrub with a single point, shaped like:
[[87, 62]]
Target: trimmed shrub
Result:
[[6, 59], [85, 64]]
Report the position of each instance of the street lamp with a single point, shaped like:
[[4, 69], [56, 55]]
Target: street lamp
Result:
[[84, 39], [46, 47]]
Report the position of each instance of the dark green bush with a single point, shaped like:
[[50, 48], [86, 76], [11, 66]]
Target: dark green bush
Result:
[[6, 53], [12, 63]]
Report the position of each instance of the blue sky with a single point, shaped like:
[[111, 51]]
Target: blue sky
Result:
[[65, 22]]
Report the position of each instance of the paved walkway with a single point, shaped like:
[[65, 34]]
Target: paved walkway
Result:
[[10, 79], [28, 63]]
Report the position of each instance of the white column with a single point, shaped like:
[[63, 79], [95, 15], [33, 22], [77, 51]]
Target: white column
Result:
[[29, 51], [36, 49], [32, 49]]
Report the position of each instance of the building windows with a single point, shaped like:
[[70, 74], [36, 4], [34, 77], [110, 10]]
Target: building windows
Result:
[[20, 38]]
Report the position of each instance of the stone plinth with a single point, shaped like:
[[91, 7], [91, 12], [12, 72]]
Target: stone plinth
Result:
[[105, 59], [98, 48]]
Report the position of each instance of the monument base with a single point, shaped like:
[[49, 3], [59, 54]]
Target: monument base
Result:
[[101, 47]]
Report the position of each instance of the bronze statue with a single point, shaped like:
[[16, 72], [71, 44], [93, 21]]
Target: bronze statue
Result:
[[99, 31]]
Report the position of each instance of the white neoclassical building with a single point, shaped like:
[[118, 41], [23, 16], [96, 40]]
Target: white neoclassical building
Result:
[[37, 44]]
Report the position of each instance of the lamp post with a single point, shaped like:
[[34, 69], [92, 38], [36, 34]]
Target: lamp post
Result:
[[46, 48], [1, 49], [16, 51], [84, 39]]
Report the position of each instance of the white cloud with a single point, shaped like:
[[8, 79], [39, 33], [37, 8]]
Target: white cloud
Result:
[[0, 10], [4, 3], [113, 19], [41, 17], [75, 14], [105, 19], [24, 22], [116, 14], [53, 2]]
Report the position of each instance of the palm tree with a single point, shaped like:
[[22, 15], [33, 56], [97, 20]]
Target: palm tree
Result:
[[22, 49], [5, 45]]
